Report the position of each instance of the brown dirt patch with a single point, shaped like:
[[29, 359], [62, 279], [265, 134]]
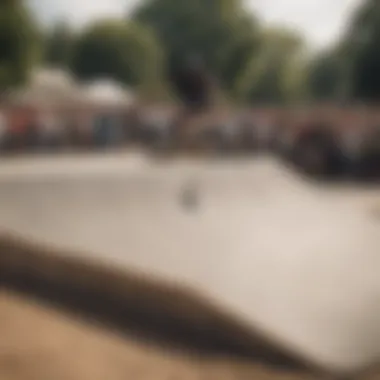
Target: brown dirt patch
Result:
[[64, 319], [38, 343]]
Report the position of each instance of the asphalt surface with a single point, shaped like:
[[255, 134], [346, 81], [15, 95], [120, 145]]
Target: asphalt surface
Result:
[[296, 260]]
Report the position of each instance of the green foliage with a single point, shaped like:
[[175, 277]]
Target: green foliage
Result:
[[126, 52], [267, 65], [249, 62], [19, 44], [218, 30], [326, 75], [59, 45], [363, 48], [275, 73]]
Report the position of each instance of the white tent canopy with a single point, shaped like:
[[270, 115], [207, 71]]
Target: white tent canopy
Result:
[[52, 79], [107, 92], [48, 87]]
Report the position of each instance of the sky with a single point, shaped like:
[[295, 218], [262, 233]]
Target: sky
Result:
[[322, 21]]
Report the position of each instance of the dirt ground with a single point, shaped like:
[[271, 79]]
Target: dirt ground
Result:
[[38, 343]]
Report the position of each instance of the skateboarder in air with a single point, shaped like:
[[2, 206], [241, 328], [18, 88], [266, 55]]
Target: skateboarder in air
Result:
[[193, 87]]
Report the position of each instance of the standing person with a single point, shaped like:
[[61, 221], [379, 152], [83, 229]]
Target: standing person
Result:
[[18, 121], [45, 123], [85, 128], [3, 129]]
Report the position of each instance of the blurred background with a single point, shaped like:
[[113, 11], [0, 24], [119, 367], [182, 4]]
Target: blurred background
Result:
[[79, 75], [100, 74], [65, 59], [291, 84], [317, 50]]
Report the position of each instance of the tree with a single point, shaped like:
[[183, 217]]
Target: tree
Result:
[[126, 52], [270, 75], [218, 30], [326, 75], [362, 43], [19, 44], [243, 47], [59, 44]]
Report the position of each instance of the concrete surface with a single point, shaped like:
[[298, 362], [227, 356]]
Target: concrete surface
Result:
[[296, 261]]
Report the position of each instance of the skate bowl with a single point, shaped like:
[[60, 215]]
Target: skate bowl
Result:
[[261, 265]]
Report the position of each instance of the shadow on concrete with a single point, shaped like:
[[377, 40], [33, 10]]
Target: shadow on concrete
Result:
[[136, 305]]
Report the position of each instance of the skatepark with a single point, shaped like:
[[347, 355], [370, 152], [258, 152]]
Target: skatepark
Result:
[[286, 265]]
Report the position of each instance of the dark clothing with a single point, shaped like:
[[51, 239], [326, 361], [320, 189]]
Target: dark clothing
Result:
[[193, 88]]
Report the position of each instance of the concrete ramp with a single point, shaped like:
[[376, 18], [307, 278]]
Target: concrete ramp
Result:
[[293, 267]]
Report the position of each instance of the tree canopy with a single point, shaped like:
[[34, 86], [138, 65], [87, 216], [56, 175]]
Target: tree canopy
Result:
[[363, 47], [59, 44], [19, 43], [275, 72], [126, 52], [250, 62], [217, 30], [326, 75]]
